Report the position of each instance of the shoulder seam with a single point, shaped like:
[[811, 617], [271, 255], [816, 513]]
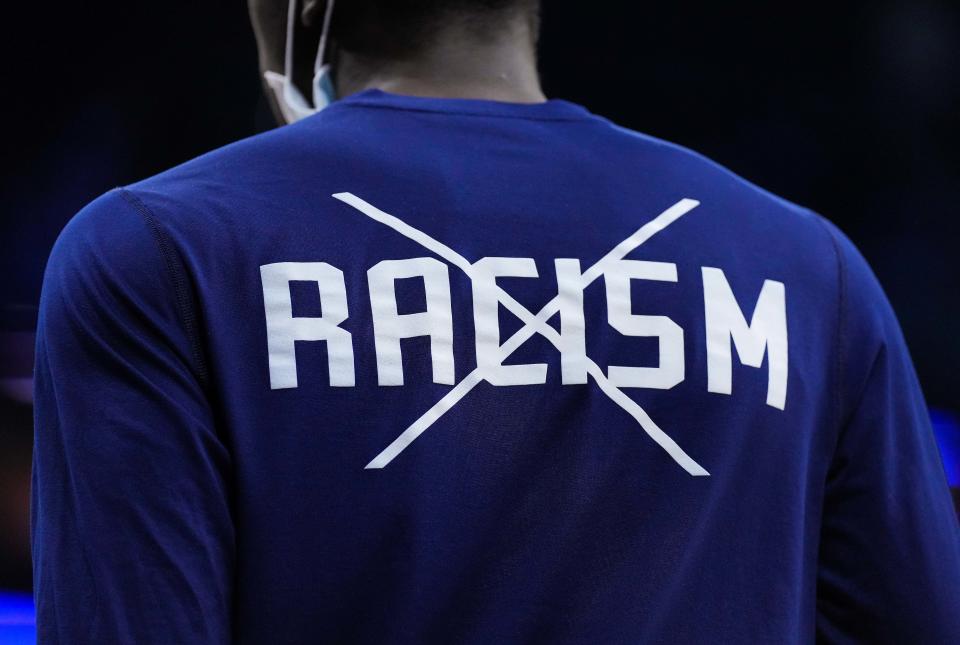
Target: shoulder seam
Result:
[[839, 358], [845, 414], [182, 295]]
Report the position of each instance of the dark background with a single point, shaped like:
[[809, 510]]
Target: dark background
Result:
[[852, 109]]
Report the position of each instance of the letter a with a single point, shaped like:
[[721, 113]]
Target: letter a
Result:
[[389, 326]]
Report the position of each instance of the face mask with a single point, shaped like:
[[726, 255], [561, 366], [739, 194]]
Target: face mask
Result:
[[293, 105]]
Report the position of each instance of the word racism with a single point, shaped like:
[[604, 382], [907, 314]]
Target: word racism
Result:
[[766, 333]]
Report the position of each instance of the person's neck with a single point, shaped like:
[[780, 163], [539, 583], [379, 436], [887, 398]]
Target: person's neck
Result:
[[455, 65]]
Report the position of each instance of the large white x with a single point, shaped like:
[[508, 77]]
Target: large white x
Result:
[[531, 325]]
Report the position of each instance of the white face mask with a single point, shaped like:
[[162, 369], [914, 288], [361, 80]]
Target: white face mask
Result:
[[293, 105]]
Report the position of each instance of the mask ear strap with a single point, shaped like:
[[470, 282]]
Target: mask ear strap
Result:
[[321, 50], [288, 48]]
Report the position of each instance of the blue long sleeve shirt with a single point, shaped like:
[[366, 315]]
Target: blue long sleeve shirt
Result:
[[451, 371]]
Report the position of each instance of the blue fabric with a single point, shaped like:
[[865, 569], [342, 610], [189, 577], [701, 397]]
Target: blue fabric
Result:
[[179, 498]]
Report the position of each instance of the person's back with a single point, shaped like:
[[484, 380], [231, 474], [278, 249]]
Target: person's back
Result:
[[441, 370]]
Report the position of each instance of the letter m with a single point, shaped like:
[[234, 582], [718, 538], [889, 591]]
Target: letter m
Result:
[[766, 334]]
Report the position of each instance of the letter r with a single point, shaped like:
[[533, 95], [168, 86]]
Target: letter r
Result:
[[283, 329]]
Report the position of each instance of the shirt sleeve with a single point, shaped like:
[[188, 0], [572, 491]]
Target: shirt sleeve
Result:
[[132, 534], [889, 563]]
